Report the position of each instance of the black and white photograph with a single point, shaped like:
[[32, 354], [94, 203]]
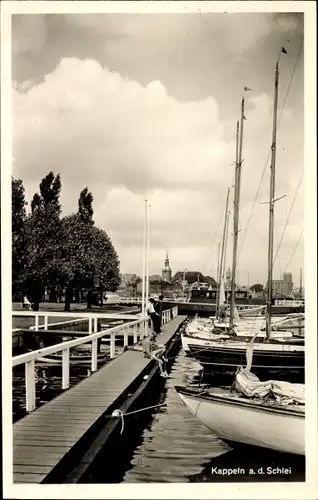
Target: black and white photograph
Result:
[[159, 257]]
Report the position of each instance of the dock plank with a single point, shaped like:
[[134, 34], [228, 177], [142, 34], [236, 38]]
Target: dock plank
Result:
[[58, 425]]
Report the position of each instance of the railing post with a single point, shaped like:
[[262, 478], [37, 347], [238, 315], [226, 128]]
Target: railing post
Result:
[[112, 345], [36, 324], [94, 356], [46, 321], [140, 331], [90, 329], [95, 323], [30, 385], [94, 347], [66, 368], [135, 334], [125, 336]]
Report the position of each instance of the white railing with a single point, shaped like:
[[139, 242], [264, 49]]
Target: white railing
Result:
[[137, 328], [129, 300], [91, 317]]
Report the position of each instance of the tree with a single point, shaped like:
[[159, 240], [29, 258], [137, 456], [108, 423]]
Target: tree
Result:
[[85, 208], [258, 287], [44, 243], [107, 276], [90, 259], [18, 236]]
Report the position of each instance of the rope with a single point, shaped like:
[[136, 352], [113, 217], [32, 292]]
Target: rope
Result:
[[121, 415], [270, 149], [299, 238], [288, 217]]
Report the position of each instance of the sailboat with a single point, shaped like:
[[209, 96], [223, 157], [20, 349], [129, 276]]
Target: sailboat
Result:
[[280, 351], [277, 424], [268, 414]]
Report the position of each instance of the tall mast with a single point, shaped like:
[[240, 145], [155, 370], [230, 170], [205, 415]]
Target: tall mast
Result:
[[235, 224], [144, 262], [147, 254], [223, 240], [271, 211], [217, 279], [300, 283], [225, 244]]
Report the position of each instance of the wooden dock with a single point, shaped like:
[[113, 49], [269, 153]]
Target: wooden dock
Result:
[[56, 433]]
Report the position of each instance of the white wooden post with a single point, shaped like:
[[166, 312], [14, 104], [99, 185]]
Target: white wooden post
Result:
[[140, 330], [145, 327], [90, 329], [94, 355], [95, 323], [46, 321], [36, 325], [135, 334], [125, 336], [94, 347], [112, 345], [30, 385], [66, 368]]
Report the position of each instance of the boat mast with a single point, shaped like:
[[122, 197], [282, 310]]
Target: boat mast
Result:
[[300, 283], [271, 211], [144, 262], [217, 278], [235, 223], [223, 244]]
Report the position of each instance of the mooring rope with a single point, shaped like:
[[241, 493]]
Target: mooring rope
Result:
[[121, 415]]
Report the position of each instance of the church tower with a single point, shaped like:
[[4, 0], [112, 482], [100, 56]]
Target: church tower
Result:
[[166, 271]]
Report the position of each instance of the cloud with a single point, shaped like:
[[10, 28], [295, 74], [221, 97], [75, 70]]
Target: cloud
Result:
[[29, 34], [85, 117], [128, 141]]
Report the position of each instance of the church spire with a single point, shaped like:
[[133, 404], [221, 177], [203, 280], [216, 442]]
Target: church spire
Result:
[[167, 260], [166, 271]]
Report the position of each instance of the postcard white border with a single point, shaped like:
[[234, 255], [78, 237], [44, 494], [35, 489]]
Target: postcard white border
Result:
[[307, 490]]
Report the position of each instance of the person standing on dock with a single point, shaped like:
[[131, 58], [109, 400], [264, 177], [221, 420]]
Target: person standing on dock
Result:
[[158, 309], [153, 315]]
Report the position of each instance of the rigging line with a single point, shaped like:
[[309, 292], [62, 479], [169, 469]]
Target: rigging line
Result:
[[217, 227], [288, 217], [270, 149], [299, 238]]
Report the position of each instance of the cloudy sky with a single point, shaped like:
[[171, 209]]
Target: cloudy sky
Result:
[[145, 106]]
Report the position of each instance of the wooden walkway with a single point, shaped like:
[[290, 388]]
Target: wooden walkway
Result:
[[43, 438]]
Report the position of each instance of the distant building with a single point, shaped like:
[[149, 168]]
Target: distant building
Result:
[[155, 277], [284, 287], [166, 271]]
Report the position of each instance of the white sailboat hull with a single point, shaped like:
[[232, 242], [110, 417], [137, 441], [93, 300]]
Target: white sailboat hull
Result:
[[204, 340], [249, 424]]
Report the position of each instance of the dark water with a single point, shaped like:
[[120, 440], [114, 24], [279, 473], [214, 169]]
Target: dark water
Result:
[[48, 382], [176, 447]]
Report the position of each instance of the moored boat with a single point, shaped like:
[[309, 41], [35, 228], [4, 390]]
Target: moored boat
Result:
[[280, 357], [80, 360], [237, 419]]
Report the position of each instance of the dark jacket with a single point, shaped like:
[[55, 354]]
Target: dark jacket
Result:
[[158, 307]]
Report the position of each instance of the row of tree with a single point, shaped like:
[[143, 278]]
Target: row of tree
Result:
[[55, 253]]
